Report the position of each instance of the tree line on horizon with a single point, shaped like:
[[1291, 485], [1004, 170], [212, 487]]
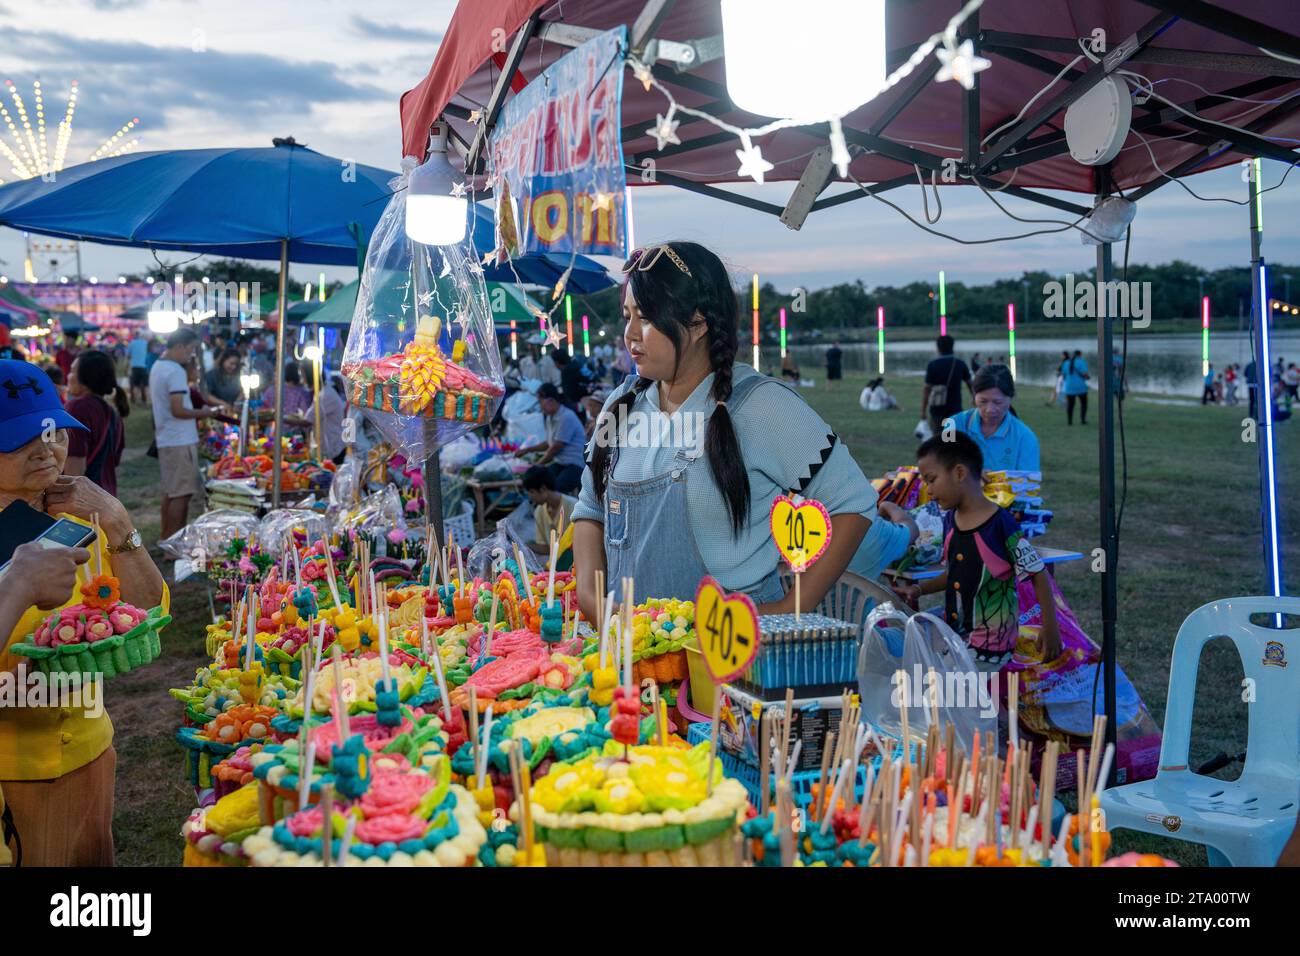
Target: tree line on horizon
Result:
[[1176, 288]]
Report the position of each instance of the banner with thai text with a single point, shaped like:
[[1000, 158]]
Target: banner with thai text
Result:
[[557, 156]]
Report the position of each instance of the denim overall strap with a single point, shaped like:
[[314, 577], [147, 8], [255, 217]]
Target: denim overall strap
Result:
[[647, 539], [648, 535]]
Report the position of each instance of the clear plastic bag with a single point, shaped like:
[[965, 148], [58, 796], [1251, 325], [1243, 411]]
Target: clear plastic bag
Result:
[[279, 527], [963, 694], [211, 534], [375, 516], [421, 359], [489, 554]]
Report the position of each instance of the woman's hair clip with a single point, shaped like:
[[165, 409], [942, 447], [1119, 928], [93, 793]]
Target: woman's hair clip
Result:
[[720, 404]]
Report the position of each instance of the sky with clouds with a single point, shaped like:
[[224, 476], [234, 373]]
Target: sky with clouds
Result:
[[203, 73]]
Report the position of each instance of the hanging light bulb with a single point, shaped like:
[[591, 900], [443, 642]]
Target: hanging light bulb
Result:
[[435, 213], [809, 61]]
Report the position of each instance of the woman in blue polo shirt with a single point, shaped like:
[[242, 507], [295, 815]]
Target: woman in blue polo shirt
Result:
[[695, 499], [1008, 443]]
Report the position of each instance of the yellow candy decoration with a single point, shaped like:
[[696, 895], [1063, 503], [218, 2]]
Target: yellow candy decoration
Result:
[[603, 682]]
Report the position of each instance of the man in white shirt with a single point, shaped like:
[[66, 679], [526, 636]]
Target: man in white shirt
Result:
[[175, 433]]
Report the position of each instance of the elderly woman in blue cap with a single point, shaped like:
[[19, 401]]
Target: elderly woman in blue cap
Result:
[[57, 763]]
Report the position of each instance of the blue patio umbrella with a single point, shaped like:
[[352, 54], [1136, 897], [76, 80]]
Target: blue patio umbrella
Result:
[[282, 202]]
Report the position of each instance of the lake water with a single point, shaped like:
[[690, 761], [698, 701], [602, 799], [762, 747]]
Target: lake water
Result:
[[1158, 363]]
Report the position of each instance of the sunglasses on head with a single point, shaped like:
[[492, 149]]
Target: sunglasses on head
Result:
[[643, 260]]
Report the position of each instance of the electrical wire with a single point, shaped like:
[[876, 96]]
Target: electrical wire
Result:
[[1151, 92], [1191, 192], [925, 202], [1032, 100], [1279, 56]]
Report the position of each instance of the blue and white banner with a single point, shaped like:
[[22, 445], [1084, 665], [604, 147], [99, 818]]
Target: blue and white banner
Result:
[[558, 156]]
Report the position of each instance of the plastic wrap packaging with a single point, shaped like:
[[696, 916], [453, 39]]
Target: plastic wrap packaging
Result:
[[421, 360], [212, 534], [488, 555], [964, 694], [280, 526], [375, 516]]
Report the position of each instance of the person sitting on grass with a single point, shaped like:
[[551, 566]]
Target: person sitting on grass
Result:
[[552, 511], [986, 553]]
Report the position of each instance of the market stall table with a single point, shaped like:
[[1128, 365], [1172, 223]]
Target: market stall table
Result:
[[491, 495]]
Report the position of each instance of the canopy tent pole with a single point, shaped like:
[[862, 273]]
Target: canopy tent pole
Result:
[[1106, 465], [1260, 314], [433, 493], [279, 374]]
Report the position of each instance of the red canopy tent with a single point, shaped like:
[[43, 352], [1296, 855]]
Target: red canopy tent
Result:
[[1237, 63], [1190, 41]]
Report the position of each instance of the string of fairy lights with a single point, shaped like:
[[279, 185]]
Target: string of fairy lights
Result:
[[28, 152]]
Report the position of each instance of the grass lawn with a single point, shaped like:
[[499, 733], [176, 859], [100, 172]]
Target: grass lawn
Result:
[[1190, 535]]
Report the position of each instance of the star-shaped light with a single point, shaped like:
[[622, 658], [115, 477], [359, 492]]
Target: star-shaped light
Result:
[[752, 162], [463, 319], [664, 130], [425, 298], [553, 336], [475, 116], [489, 256], [960, 64], [643, 74], [458, 190], [601, 201]]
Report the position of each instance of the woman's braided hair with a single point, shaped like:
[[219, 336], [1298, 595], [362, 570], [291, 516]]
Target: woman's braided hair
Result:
[[671, 300]]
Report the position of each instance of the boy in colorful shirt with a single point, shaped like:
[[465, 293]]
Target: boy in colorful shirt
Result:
[[985, 552]]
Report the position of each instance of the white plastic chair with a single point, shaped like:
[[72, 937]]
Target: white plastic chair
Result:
[[1243, 822], [852, 598]]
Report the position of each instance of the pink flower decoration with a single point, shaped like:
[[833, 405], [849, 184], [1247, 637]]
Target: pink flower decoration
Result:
[[246, 566], [69, 629], [392, 828], [124, 618], [397, 535], [395, 793], [97, 626], [306, 822], [412, 506]]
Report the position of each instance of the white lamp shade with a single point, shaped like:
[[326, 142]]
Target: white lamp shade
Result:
[[434, 216], [809, 61]]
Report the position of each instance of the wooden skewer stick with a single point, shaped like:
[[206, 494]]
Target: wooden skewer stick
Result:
[[819, 804], [492, 626], [1081, 790], [1047, 791]]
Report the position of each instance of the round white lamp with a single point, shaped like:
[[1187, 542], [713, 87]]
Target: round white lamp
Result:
[[434, 216]]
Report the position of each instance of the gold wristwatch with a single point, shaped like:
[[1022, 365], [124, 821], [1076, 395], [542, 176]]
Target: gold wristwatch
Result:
[[133, 541]]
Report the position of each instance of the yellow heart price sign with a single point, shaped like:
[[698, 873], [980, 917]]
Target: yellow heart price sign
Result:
[[727, 625], [801, 531]]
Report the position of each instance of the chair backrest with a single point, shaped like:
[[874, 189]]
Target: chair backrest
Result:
[[1270, 660], [852, 598]]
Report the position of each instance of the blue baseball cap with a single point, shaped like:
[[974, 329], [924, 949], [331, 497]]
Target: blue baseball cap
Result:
[[29, 403]]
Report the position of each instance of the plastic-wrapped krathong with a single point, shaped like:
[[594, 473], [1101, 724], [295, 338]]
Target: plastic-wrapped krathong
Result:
[[421, 360]]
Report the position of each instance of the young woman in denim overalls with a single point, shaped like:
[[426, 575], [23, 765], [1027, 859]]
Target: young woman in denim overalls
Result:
[[668, 512]]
